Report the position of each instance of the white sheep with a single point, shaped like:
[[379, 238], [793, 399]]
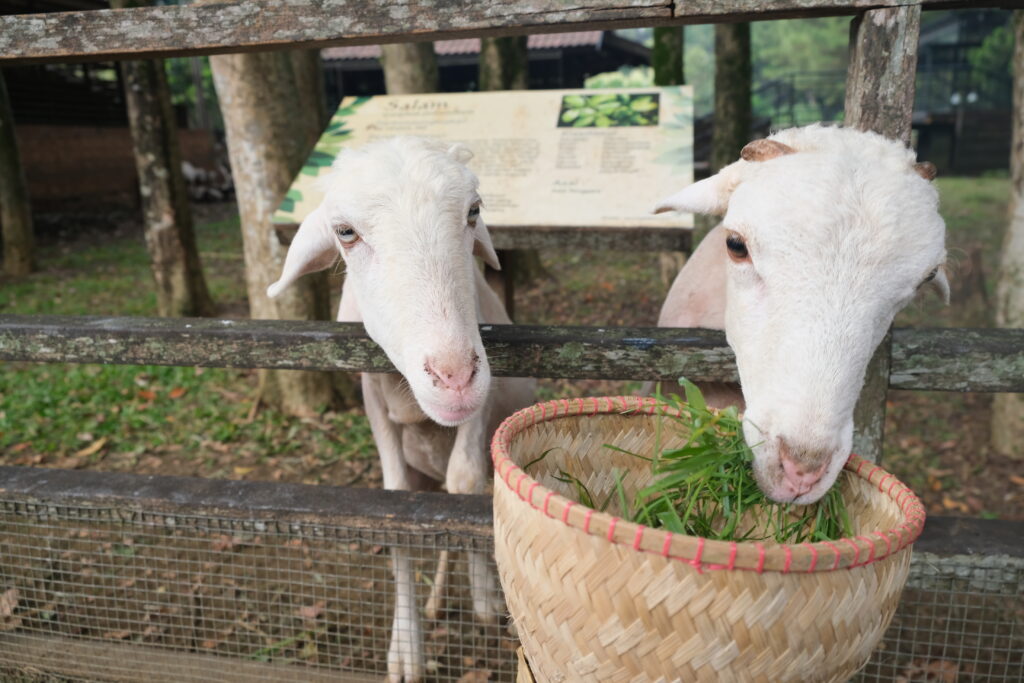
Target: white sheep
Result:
[[404, 214], [827, 233]]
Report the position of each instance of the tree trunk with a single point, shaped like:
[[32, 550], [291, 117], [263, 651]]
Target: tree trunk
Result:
[[883, 66], [15, 209], [312, 100], [504, 64], [409, 68], [268, 140], [667, 56], [1008, 409], [880, 97], [180, 287], [732, 94], [667, 59]]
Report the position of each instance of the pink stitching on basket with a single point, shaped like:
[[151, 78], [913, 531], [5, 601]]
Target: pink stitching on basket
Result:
[[888, 491], [700, 552], [856, 550], [667, 545], [888, 541], [881, 482], [732, 556], [814, 557], [519, 481], [611, 529], [508, 473], [638, 538], [547, 498], [859, 466], [835, 565], [789, 558], [565, 512], [760, 558], [871, 548], [529, 494], [872, 472], [586, 520]]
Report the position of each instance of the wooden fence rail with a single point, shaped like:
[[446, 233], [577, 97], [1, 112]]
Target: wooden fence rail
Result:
[[219, 26], [922, 359]]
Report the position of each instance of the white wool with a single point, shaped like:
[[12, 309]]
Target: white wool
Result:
[[841, 232], [400, 213]]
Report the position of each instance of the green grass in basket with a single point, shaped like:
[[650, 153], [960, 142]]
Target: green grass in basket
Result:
[[706, 487]]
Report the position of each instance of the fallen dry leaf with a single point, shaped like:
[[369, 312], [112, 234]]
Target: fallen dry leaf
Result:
[[147, 395], [311, 611], [117, 635], [177, 392], [242, 471], [1017, 479], [475, 676], [8, 602], [92, 448]]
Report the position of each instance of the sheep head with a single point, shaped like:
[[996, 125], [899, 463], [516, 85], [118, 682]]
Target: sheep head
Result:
[[829, 232], [404, 215]]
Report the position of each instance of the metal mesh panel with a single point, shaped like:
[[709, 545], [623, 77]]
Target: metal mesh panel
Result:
[[93, 593], [101, 594], [960, 618]]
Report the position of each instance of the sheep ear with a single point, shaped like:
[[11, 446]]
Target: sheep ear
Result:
[[940, 284], [460, 153], [710, 196], [765, 149], [311, 250], [926, 170], [482, 245]]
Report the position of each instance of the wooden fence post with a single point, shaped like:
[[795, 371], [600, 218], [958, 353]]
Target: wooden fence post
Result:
[[880, 97]]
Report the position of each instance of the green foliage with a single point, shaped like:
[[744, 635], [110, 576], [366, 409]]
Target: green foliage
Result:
[[199, 421], [182, 83], [625, 77], [707, 488], [608, 110]]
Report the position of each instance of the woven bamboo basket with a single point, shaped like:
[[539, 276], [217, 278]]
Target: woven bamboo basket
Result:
[[596, 598]]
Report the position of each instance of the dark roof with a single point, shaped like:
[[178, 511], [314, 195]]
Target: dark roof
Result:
[[471, 46], [41, 6]]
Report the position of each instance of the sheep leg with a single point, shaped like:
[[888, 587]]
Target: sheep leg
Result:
[[435, 604], [467, 473], [405, 654], [406, 660]]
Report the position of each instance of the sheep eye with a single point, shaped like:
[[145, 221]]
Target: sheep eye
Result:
[[347, 235], [737, 247], [474, 214]]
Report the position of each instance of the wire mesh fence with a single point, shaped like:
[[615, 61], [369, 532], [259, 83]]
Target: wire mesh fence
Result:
[[92, 593], [121, 592]]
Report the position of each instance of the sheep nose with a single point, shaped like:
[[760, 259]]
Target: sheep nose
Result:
[[451, 373], [799, 476]]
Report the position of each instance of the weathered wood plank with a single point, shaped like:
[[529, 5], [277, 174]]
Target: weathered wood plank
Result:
[[245, 25], [922, 359], [34, 656], [135, 495], [880, 98], [958, 359], [513, 350], [284, 504], [220, 26]]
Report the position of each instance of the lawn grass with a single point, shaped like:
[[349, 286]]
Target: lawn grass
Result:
[[170, 420]]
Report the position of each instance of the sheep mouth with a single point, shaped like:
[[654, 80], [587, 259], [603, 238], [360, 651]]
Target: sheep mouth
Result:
[[451, 416]]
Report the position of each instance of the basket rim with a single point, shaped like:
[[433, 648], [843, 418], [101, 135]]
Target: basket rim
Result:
[[701, 553]]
